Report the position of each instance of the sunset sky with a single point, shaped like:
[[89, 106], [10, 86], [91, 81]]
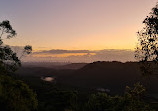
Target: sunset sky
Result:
[[75, 24]]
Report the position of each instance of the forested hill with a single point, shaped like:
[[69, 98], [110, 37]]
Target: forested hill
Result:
[[108, 75], [114, 76]]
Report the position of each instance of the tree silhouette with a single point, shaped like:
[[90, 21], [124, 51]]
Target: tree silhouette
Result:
[[6, 28], [9, 61], [147, 48], [15, 95]]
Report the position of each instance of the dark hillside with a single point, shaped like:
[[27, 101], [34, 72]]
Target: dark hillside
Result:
[[97, 75], [108, 75]]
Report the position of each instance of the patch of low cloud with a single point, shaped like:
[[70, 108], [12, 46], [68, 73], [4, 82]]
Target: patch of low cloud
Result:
[[59, 51], [88, 56]]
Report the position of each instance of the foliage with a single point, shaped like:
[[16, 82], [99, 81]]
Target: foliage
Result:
[[15, 95], [53, 98], [99, 102], [58, 101], [131, 101], [147, 49], [6, 28], [8, 59]]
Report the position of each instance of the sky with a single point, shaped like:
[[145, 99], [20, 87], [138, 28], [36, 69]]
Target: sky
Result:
[[93, 25]]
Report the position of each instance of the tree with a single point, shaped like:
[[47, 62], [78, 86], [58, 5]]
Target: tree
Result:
[[132, 100], [6, 28], [15, 95], [9, 61], [147, 48]]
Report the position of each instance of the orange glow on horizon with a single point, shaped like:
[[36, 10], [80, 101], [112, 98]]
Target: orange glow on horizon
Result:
[[63, 55]]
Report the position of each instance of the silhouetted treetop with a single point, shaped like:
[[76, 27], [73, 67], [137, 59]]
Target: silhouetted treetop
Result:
[[147, 49], [8, 58], [6, 28]]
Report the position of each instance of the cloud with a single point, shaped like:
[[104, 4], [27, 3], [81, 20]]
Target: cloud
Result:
[[59, 51], [82, 55]]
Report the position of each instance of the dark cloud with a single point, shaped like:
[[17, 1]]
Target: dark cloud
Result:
[[89, 56], [60, 51]]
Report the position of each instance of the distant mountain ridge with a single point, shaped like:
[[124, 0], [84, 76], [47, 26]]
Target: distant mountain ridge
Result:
[[54, 65]]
